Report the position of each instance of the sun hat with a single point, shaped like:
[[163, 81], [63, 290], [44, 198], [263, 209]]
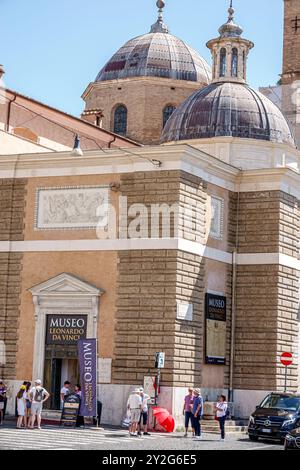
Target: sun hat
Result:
[[38, 382]]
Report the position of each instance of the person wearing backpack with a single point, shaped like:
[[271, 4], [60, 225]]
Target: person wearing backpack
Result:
[[222, 414], [38, 396]]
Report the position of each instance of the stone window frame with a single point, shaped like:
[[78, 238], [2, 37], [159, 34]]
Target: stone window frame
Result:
[[49, 188], [218, 235], [167, 112], [120, 127]]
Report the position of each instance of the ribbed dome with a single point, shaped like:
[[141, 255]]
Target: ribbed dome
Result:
[[156, 54], [228, 109]]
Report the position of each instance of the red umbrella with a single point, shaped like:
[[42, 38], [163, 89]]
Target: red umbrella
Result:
[[164, 418]]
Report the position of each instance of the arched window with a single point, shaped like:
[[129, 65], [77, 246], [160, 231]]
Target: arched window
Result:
[[234, 62], [223, 62], [167, 113], [120, 120]]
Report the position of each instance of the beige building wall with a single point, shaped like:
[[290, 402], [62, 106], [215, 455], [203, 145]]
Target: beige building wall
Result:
[[98, 269]]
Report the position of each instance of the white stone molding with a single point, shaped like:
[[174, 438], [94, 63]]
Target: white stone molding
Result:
[[37, 246], [184, 310], [226, 162], [217, 218], [64, 294]]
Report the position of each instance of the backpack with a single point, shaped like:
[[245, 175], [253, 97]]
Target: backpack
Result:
[[39, 394]]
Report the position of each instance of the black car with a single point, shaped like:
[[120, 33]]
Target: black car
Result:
[[292, 440], [275, 417]]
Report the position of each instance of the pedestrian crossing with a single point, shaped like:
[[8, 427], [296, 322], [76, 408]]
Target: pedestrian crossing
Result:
[[53, 437]]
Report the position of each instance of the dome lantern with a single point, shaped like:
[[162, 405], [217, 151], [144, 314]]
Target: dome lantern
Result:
[[230, 52], [160, 26]]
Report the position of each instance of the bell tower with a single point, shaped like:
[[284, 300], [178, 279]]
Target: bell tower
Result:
[[291, 47], [290, 78]]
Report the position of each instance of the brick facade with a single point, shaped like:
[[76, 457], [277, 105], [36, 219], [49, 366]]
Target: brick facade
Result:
[[145, 99], [12, 197], [150, 283], [291, 55], [267, 295]]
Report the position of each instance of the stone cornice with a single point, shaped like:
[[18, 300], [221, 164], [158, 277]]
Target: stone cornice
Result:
[[178, 157], [272, 179], [183, 157], [140, 80]]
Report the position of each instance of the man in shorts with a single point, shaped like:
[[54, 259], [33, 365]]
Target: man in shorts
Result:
[[134, 404], [38, 396]]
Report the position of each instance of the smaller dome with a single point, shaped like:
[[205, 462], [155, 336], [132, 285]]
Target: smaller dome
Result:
[[157, 54], [228, 109]]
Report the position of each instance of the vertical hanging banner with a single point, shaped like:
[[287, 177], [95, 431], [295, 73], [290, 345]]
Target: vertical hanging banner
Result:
[[215, 312], [87, 356]]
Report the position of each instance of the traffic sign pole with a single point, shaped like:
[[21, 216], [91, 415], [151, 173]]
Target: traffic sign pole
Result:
[[285, 382], [286, 360]]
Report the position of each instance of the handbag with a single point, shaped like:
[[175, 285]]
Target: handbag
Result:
[[126, 422]]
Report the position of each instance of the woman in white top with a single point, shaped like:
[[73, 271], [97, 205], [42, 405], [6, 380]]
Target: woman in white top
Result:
[[221, 414], [21, 401]]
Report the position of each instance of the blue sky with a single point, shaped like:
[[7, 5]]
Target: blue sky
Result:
[[52, 49]]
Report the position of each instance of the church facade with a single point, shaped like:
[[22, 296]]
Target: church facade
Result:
[[190, 247]]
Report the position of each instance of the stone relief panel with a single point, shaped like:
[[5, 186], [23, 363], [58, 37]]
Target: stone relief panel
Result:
[[217, 217], [71, 207]]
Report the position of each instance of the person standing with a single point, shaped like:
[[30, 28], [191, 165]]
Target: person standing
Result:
[[38, 396], [134, 404], [3, 399], [80, 419], [197, 413], [64, 392], [187, 411], [28, 404], [21, 406], [221, 413], [143, 425]]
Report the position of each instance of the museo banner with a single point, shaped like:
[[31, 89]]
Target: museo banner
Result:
[[87, 356]]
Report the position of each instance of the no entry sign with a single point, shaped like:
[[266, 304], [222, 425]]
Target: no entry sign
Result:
[[287, 359]]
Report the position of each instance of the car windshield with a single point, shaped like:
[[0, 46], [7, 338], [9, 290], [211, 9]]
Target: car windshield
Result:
[[281, 402]]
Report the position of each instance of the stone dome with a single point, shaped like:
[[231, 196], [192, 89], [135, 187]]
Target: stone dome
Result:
[[228, 109], [156, 54]]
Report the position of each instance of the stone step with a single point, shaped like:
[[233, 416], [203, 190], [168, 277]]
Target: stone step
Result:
[[205, 422], [229, 429], [50, 414]]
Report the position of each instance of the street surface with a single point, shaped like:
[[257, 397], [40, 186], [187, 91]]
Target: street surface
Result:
[[55, 438]]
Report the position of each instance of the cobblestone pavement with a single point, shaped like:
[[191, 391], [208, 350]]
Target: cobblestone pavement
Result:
[[55, 438]]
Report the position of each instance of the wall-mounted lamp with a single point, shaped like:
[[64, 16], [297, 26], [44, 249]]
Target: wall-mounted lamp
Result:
[[77, 152]]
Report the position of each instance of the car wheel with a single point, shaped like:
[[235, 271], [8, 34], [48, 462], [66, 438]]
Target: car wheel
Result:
[[253, 438]]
